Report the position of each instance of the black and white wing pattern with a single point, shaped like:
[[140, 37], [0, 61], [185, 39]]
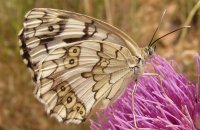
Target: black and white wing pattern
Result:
[[77, 62]]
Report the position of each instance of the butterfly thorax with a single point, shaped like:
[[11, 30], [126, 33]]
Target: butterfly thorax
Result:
[[136, 65], [145, 54]]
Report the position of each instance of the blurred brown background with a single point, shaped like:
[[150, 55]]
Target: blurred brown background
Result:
[[19, 110]]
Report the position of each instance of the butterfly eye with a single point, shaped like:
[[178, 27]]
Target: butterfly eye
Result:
[[150, 51], [69, 100]]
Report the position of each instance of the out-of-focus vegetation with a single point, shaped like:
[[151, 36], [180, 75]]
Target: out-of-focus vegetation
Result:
[[19, 110]]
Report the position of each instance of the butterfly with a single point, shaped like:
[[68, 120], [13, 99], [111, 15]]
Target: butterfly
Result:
[[78, 63]]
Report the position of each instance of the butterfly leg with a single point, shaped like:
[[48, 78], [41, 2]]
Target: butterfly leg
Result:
[[133, 107], [154, 74], [134, 91]]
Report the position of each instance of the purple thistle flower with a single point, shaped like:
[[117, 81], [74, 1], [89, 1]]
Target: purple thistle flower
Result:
[[174, 105]]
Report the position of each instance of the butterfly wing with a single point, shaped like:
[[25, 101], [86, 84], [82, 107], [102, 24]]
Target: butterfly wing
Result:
[[87, 73], [74, 61], [50, 24]]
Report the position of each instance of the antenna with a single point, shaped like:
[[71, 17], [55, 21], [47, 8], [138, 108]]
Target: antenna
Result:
[[168, 34], [163, 14]]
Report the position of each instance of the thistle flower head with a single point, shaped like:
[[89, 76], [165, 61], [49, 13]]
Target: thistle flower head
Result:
[[171, 103]]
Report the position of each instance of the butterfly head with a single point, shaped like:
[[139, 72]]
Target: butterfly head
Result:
[[150, 49], [147, 52]]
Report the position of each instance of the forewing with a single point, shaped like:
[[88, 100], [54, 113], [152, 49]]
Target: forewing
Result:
[[42, 26]]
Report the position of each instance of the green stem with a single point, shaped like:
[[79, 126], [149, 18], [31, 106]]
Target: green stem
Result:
[[188, 21]]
